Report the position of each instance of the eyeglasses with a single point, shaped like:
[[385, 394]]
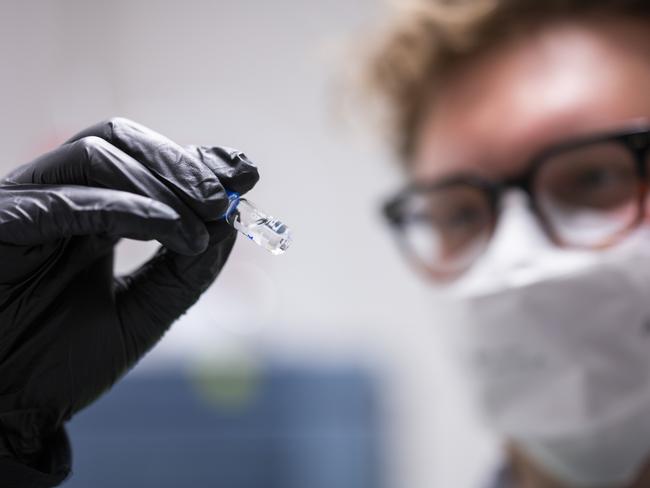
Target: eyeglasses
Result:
[[586, 193]]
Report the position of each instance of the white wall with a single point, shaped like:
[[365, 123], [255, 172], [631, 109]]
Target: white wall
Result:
[[256, 75]]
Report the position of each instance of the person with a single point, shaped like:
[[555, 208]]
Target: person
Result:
[[69, 328], [523, 127]]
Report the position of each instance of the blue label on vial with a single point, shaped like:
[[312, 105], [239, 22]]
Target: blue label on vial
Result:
[[233, 201]]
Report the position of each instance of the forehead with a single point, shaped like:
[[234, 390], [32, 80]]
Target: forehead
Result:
[[565, 79]]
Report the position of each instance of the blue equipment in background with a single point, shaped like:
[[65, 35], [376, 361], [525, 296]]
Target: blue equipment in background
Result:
[[281, 428]]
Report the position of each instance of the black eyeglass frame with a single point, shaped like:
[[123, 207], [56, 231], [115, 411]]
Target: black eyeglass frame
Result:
[[634, 137]]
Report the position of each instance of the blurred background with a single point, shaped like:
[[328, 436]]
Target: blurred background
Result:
[[320, 367]]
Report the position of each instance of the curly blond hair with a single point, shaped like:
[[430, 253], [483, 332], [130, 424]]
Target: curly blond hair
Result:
[[425, 38]]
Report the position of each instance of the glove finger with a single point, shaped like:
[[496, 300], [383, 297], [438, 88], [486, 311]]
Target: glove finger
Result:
[[31, 215], [235, 171], [151, 298], [191, 180], [93, 162]]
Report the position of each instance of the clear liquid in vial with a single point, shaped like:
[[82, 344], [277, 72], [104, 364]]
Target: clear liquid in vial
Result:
[[264, 230]]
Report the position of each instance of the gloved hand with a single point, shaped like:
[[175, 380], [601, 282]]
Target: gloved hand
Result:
[[68, 327]]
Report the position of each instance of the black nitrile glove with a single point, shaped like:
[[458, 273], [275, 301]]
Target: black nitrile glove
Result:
[[69, 328]]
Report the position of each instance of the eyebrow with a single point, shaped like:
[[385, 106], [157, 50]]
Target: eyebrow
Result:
[[630, 128]]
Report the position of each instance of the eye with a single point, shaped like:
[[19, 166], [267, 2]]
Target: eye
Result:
[[600, 185], [599, 177], [458, 217], [446, 227], [602, 176]]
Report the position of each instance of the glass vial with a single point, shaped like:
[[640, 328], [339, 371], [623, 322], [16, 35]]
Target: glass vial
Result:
[[260, 228]]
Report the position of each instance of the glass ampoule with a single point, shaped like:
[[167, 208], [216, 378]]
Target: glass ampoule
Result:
[[264, 230]]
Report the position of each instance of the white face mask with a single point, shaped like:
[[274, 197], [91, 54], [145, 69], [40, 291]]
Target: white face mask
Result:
[[556, 346]]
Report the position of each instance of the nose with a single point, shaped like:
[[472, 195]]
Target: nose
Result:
[[520, 252], [519, 237]]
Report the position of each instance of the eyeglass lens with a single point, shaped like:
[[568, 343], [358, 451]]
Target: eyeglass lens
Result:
[[589, 195], [448, 227]]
